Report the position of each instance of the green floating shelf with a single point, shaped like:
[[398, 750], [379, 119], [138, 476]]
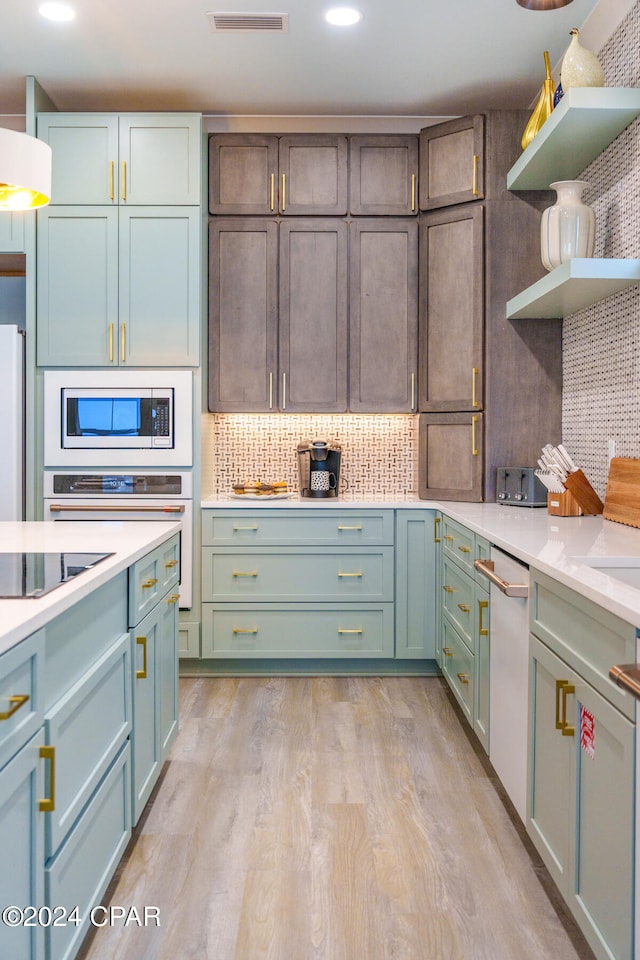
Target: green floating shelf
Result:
[[584, 123], [572, 286]]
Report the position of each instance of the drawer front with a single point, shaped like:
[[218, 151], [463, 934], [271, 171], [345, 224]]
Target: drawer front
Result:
[[458, 668], [151, 577], [298, 575], [86, 729], [297, 527], [80, 873], [335, 630], [459, 543], [588, 638], [21, 709], [457, 599]]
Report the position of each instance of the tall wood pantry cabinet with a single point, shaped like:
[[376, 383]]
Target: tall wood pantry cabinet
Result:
[[119, 248], [489, 388]]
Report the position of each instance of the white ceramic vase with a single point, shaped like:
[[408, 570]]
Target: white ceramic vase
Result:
[[567, 229]]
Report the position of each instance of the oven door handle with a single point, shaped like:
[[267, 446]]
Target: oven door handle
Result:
[[509, 589], [114, 508]]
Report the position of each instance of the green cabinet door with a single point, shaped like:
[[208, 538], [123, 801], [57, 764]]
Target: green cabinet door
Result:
[[146, 748], [12, 232], [168, 672], [84, 156], [415, 584], [482, 650]]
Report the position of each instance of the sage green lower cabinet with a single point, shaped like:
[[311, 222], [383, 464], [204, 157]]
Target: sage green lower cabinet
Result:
[[415, 606], [581, 761]]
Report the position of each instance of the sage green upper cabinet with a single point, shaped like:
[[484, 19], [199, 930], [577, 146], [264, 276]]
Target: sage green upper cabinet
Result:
[[452, 162], [383, 316], [383, 175], [12, 232], [128, 159], [297, 175]]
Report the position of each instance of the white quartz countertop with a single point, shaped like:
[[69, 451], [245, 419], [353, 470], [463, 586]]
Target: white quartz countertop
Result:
[[127, 541], [551, 544]]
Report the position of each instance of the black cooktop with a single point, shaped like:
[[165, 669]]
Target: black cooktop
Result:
[[31, 575]]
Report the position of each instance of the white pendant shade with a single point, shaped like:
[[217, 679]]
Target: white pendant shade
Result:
[[25, 171]]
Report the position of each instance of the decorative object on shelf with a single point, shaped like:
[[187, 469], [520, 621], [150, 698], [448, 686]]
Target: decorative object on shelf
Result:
[[557, 97], [543, 107], [567, 229], [543, 4], [580, 67], [25, 171]]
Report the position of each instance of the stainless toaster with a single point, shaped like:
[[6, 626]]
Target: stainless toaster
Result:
[[519, 487]]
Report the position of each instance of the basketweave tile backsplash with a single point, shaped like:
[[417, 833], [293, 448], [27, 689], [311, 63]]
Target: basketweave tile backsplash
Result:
[[379, 453], [601, 345]]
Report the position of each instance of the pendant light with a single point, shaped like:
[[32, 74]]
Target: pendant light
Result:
[[544, 4], [25, 171]]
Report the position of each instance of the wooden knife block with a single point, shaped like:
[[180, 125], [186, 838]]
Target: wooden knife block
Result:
[[563, 505], [622, 499]]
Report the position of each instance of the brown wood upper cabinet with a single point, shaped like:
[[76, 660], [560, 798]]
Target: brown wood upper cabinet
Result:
[[452, 162], [383, 175], [297, 175]]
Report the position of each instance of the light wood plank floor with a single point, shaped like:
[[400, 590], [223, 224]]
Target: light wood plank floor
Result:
[[330, 819]]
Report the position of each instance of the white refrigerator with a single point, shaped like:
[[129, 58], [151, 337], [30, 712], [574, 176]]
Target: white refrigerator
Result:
[[11, 423]]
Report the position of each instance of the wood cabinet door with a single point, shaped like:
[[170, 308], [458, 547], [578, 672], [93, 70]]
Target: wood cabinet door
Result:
[[243, 174], [452, 162], [383, 335], [84, 161], [313, 316], [451, 309], [243, 315], [313, 175], [383, 175], [450, 456]]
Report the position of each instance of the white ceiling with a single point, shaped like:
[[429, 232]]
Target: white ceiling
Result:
[[406, 57]]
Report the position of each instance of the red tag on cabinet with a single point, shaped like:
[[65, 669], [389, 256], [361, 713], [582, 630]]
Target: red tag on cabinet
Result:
[[587, 732]]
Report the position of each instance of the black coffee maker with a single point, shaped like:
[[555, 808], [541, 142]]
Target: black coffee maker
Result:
[[319, 469]]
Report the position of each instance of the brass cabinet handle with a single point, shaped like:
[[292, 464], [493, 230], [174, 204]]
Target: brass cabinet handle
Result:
[[474, 400], [151, 582], [124, 180], [448, 589], [271, 390], [169, 564], [413, 391], [237, 526], [464, 607], [111, 172], [48, 804], [436, 521], [245, 630], [356, 630], [357, 574], [474, 178], [142, 674], [567, 729], [173, 598], [464, 549], [413, 193], [559, 686], [463, 677], [123, 342], [273, 192], [482, 630], [474, 449], [284, 205], [284, 391], [110, 343], [242, 573], [16, 702], [447, 652], [344, 526], [448, 536]]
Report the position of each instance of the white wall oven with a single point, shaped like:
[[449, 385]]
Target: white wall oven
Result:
[[121, 495], [97, 418]]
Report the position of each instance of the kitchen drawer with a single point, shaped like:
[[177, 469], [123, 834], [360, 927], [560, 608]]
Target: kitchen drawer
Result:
[[457, 599], [458, 668], [297, 527], [482, 552], [151, 577], [21, 709], [86, 729], [330, 630], [298, 574], [459, 543], [81, 871], [587, 637]]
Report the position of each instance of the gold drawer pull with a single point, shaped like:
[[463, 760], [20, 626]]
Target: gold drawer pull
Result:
[[173, 598], [17, 701], [482, 630], [344, 630], [448, 536], [243, 630], [474, 448], [142, 674], [448, 589], [567, 729], [413, 193], [436, 521], [463, 677], [242, 573], [358, 574], [344, 526], [237, 526], [474, 373], [111, 191], [171, 563], [48, 804], [464, 607], [464, 549], [151, 582], [272, 192], [447, 651], [123, 184], [474, 176]]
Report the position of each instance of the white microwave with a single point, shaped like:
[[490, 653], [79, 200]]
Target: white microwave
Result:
[[118, 418]]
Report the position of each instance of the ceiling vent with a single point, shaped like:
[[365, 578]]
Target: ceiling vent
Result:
[[235, 22]]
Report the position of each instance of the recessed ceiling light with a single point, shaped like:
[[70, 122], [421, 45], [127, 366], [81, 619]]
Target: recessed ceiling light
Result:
[[56, 11], [343, 16]]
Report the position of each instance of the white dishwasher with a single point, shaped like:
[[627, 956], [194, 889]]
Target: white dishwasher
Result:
[[509, 672]]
